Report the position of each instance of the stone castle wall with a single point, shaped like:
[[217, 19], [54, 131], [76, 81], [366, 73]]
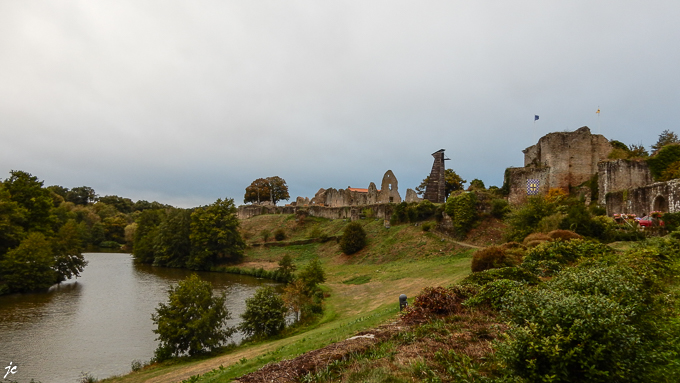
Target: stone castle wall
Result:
[[620, 175], [660, 196]]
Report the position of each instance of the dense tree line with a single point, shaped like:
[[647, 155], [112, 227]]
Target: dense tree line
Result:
[[198, 238], [44, 230]]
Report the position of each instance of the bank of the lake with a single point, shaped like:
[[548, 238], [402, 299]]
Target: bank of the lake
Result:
[[363, 289], [100, 322]]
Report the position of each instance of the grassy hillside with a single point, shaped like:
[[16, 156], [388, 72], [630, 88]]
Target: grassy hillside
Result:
[[363, 288]]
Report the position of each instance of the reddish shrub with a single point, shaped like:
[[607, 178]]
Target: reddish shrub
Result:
[[565, 235], [493, 257]]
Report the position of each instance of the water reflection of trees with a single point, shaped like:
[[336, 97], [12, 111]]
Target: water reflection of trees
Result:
[[29, 307]]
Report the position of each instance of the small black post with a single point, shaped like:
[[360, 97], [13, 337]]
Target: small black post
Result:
[[402, 302]]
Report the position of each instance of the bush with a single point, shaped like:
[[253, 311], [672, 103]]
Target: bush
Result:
[[462, 208], [492, 293], [266, 234], [353, 238], [499, 208], [279, 235], [525, 220], [265, 314], [511, 273], [564, 235], [433, 301], [193, 321], [535, 239], [550, 257], [427, 226], [493, 257]]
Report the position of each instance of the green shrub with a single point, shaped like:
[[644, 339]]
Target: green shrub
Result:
[[511, 273], [193, 320], [266, 234], [462, 208], [492, 293], [499, 208], [265, 314], [427, 226], [110, 245], [353, 238], [279, 235], [525, 219]]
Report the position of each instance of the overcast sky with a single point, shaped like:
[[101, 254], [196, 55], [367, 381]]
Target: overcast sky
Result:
[[185, 102]]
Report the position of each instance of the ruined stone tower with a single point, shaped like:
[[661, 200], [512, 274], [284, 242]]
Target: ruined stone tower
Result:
[[435, 191]]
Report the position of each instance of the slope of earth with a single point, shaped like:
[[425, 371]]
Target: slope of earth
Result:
[[363, 289]]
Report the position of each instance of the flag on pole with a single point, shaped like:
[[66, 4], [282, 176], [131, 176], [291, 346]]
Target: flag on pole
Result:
[[535, 117], [598, 111]]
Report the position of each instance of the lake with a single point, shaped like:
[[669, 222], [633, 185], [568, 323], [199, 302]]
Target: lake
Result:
[[99, 323]]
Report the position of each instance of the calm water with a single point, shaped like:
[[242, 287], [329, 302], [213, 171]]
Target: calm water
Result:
[[99, 323]]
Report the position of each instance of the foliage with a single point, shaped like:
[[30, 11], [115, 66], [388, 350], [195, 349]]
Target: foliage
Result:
[[29, 266], [499, 208], [671, 172], [413, 212], [597, 322], [296, 299], [491, 294], [215, 236], [279, 234], [286, 267], [621, 151], [265, 314], [69, 261], [12, 217], [353, 238], [663, 159], [549, 257], [462, 208], [671, 221], [27, 191], [145, 235], [193, 320], [82, 195], [172, 244], [493, 257], [433, 301], [312, 276], [476, 184], [518, 274], [265, 235], [525, 219], [453, 183], [123, 205], [271, 189], [665, 138]]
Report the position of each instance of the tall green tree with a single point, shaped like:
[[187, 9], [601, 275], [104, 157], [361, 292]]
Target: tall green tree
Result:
[[12, 221], [665, 138], [453, 182], [26, 190], [145, 235], [172, 245], [29, 266], [192, 321], [265, 314], [312, 276], [271, 189], [215, 237], [82, 195], [68, 246]]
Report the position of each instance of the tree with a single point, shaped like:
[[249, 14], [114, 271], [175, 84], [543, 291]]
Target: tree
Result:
[[69, 261], [665, 138], [353, 238], [286, 267], [29, 266], [82, 195], [265, 314], [271, 189], [215, 236], [311, 276], [26, 190], [172, 244], [12, 218], [453, 182], [193, 321], [145, 235], [295, 297], [123, 205]]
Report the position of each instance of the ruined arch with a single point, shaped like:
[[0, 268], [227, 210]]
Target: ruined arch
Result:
[[660, 204], [389, 189]]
